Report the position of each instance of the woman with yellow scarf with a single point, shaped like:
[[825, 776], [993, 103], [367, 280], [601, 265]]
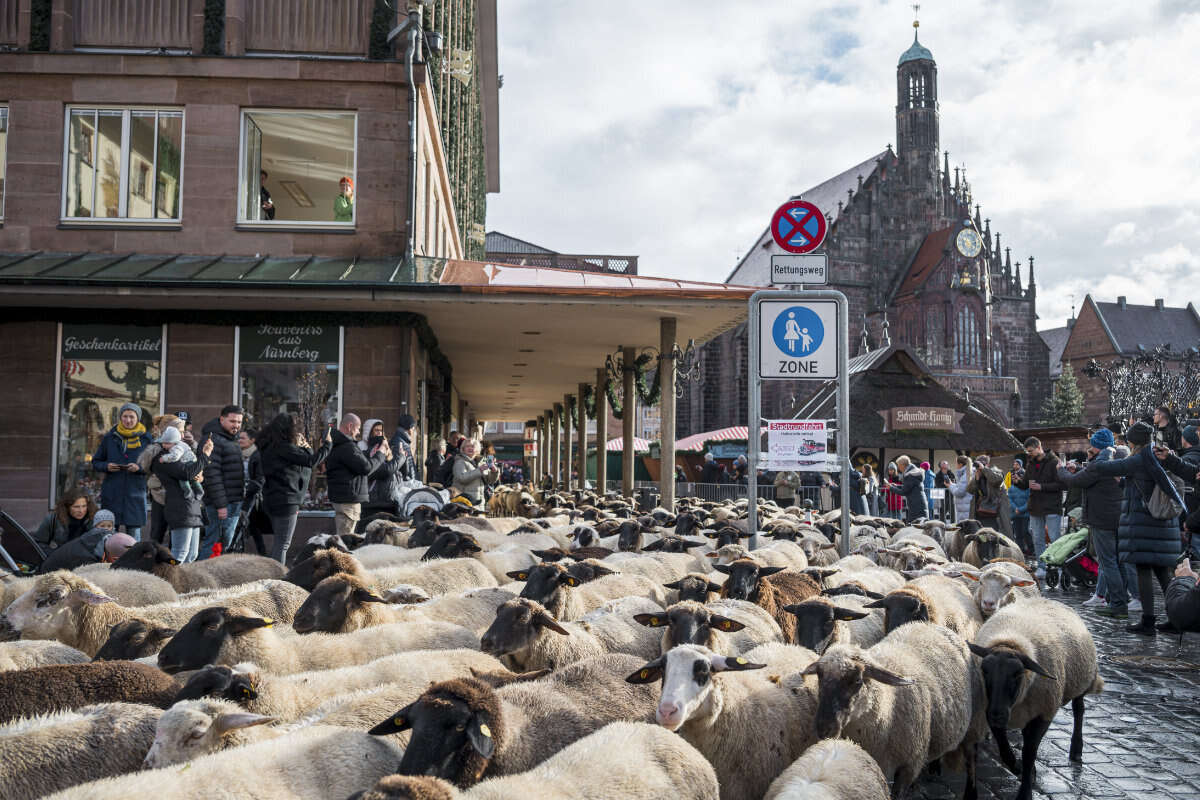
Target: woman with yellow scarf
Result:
[[124, 489]]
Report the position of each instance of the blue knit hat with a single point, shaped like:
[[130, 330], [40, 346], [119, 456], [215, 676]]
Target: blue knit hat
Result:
[[1191, 435], [1102, 438]]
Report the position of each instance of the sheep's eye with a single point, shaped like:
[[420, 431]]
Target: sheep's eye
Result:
[[460, 727], [196, 734]]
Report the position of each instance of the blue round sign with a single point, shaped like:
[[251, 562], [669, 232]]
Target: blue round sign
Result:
[[798, 332]]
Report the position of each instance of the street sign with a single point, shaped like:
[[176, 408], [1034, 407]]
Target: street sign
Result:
[[798, 338], [798, 227], [809, 269]]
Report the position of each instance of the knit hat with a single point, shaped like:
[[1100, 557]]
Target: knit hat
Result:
[[170, 435], [924, 465], [1139, 433], [407, 421], [116, 544], [1191, 435], [1102, 439], [134, 407], [104, 515]]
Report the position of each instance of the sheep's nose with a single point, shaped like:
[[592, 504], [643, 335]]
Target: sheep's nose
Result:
[[668, 715]]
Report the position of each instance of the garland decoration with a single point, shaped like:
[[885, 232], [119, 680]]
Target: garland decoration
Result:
[[589, 400], [648, 395]]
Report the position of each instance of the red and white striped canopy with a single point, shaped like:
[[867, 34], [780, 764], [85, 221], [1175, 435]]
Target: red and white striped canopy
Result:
[[639, 445], [695, 442]]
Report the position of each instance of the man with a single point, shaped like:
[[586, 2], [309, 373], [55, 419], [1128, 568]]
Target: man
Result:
[[711, 471], [445, 473], [402, 448], [912, 488], [1183, 592], [989, 502], [346, 472], [101, 543], [264, 197], [224, 479], [1045, 496], [786, 484], [1187, 466]]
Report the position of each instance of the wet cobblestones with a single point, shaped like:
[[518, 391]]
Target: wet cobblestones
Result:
[[1141, 737]]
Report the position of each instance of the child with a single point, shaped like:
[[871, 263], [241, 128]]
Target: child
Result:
[[174, 451]]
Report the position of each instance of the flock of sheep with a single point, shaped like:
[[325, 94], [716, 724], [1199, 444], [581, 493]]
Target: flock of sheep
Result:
[[583, 653]]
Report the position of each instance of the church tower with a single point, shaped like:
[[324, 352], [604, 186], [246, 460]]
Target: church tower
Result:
[[917, 114]]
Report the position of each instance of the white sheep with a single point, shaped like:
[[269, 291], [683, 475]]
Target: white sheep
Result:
[[567, 598], [725, 626], [832, 769], [1001, 583], [823, 621], [780, 553], [658, 567], [37, 653], [931, 598], [987, 544]]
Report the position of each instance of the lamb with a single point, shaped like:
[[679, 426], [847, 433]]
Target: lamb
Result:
[[1036, 656], [832, 769], [127, 587], [71, 610], [382, 531], [771, 591], [191, 729], [1002, 583], [932, 598], [728, 627], [911, 699], [44, 754], [820, 622], [231, 635], [211, 573], [693, 586], [289, 697], [134, 639], [37, 653], [654, 764], [12, 587], [525, 636], [442, 577], [60, 687], [567, 598], [313, 764], [729, 714], [987, 544], [464, 730]]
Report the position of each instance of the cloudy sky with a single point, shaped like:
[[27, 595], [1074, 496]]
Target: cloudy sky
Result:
[[672, 129]]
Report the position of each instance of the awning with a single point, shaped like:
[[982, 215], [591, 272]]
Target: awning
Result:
[[618, 444], [695, 442]]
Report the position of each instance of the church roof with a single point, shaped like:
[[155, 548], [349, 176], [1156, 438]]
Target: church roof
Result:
[[929, 255], [917, 52], [1131, 326], [1056, 340]]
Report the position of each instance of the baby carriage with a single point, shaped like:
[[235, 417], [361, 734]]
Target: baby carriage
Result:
[[1067, 560]]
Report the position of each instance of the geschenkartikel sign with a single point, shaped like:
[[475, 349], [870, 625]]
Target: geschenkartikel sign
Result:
[[921, 418], [302, 344], [112, 342]]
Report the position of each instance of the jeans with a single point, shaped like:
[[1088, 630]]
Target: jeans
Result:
[[219, 529], [283, 528], [185, 544], [1020, 527], [1039, 527], [136, 533], [1117, 581]]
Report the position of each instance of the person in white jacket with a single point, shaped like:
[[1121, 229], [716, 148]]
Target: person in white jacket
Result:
[[958, 489]]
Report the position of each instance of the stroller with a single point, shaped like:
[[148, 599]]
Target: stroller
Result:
[[1068, 561]]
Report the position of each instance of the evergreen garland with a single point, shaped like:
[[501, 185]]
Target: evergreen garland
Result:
[[39, 25], [589, 400], [382, 19], [214, 28], [648, 395]]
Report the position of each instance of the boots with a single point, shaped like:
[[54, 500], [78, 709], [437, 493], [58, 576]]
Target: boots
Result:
[[1146, 627]]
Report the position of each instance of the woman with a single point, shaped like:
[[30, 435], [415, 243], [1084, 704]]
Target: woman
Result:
[[870, 488], [287, 465], [343, 204], [891, 490], [469, 477], [70, 519], [158, 523], [124, 489], [435, 459], [182, 508], [382, 482], [1152, 545]]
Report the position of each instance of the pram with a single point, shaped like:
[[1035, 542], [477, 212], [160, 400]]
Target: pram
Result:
[[1067, 560]]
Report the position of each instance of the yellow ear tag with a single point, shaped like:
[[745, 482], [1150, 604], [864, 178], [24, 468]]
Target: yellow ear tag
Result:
[[644, 673], [269, 622], [739, 660], [654, 620], [398, 721], [485, 730], [245, 692]]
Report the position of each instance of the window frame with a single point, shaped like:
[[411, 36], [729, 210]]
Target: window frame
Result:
[[243, 222], [7, 114], [125, 177]]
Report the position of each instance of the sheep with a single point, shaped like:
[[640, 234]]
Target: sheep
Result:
[[60, 687], [191, 729], [730, 714], [69, 609], [312, 764], [955, 570], [728, 627], [654, 764], [379, 556], [226, 635], [453, 575], [932, 598], [854, 563], [657, 566], [771, 591], [526, 637], [1036, 656], [464, 730], [567, 598], [127, 587], [382, 531], [832, 769], [1001, 583], [987, 544], [776, 554], [499, 561], [44, 754], [211, 573], [37, 653], [289, 697], [820, 622], [589, 569], [819, 551], [12, 587], [911, 699], [877, 580], [692, 586]]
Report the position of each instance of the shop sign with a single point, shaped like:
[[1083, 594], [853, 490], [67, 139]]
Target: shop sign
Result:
[[112, 342], [530, 449], [304, 344], [921, 418], [800, 445], [727, 449]]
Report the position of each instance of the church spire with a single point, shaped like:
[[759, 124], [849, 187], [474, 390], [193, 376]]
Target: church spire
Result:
[[864, 343], [1032, 282]]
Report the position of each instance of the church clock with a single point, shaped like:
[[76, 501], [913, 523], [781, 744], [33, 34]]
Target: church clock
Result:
[[968, 242]]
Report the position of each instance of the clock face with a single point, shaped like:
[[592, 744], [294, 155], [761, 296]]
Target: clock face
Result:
[[968, 243]]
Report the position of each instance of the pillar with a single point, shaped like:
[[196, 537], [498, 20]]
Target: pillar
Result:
[[581, 436], [629, 412], [601, 432], [568, 425], [62, 25], [556, 444], [543, 447], [666, 380]]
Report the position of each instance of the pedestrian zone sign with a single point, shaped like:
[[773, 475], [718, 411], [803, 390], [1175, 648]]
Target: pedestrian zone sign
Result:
[[798, 339]]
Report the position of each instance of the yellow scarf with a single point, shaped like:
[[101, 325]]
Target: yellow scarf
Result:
[[132, 436]]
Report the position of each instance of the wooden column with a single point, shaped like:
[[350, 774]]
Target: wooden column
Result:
[[556, 445], [629, 411], [666, 380], [569, 425], [581, 437], [601, 432]]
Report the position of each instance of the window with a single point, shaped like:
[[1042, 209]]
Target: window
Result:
[[103, 367], [123, 163], [997, 354], [3, 153], [294, 369], [967, 350], [298, 167]]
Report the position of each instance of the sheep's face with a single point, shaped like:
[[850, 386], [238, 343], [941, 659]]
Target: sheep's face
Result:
[[688, 623], [195, 728], [384, 532], [724, 535], [914, 558], [544, 581], [629, 537], [219, 682], [335, 605], [584, 536], [728, 554], [686, 523], [308, 573], [588, 570], [451, 544], [694, 587], [745, 577], [450, 740], [995, 590], [1005, 681], [987, 545], [687, 682], [868, 549], [144, 557], [517, 626], [816, 622], [422, 514], [900, 609], [51, 608], [426, 533], [842, 673], [202, 639], [132, 639]]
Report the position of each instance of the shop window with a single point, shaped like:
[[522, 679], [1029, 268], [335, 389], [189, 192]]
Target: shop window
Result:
[[123, 163], [103, 367], [298, 167], [293, 369], [3, 153]]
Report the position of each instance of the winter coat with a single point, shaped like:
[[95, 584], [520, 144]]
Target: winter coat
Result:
[[1142, 539], [287, 469], [468, 479], [786, 483], [86, 549], [52, 533], [1018, 498], [1183, 604], [891, 489], [383, 480], [347, 470], [962, 497], [123, 492], [1046, 501], [180, 510], [1101, 496], [711, 472], [1186, 465], [858, 502], [929, 482], [993, 482], [402, 451], [433, 463], [224, 477], [912, 487]]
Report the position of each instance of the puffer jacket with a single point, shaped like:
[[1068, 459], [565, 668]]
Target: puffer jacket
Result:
[[1142, 539], [86, 549], [468, 479], [1186, 465], [402, 452], [224, 477], [1101, 496], [912, 487], [52, 533], [1183, 604], [992, 483], [962, 497], [348, 469]]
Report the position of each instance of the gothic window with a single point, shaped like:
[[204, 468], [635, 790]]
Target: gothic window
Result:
[[997, 354], [967, 350], [935, 324]]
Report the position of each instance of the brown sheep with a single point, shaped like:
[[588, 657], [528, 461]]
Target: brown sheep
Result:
[[770, 588], [212, 573], [60, 687]]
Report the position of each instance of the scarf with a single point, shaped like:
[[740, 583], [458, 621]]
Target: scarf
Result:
[[131, 436]]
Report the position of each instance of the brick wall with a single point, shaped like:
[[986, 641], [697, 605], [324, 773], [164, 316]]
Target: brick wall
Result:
[[376, 380], [199, 370], [26, 418]]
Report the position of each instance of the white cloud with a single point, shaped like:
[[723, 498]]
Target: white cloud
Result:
[[1120, 233]]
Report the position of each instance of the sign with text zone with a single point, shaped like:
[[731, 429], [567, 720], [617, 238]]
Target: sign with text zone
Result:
[[798, 339]]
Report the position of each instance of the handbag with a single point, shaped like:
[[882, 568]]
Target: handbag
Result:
[[1162, 505], [989, 505]]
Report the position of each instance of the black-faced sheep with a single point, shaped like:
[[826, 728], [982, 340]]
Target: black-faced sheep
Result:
[[568, 598], [768, 587], [932, 598], [728, 627]]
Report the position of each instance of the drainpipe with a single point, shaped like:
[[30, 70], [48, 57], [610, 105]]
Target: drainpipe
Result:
[[413, 27]]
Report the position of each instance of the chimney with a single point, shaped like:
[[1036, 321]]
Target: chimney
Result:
[[1158, 304], [1121, 302]]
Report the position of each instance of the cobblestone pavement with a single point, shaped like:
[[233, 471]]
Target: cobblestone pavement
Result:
[[1141, 737]]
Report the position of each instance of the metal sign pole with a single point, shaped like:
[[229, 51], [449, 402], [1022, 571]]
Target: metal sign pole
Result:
[[754, 424]]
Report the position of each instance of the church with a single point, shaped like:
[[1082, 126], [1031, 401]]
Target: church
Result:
[[907, 246]]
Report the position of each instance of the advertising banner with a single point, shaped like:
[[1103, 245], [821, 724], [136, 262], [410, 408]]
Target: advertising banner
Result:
[[798, 445]]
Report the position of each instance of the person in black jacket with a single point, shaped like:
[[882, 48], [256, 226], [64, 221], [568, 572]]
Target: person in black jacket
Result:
[[101, 543], [1166, 428], [1045, 497], [347, 471], [434, 461], [224, 478], [287, 465], [402, 448], [1187, 466], [182, 508], [1183, 599], [70, 519]]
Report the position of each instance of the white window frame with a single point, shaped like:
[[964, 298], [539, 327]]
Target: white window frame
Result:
[[4, 156], [244, 221], [172, 222]]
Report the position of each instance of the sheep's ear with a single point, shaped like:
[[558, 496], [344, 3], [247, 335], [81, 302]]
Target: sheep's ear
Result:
[[929, 548], [163, 556], [880, 603], [793, 608], [847, 614], [674, 584], [224, 723], [830, 546], [688, 543], [518, 575], [982, 652], [711, 534], [712, 555], [968, 573], [548, 622], [400, 721], [723, 569], [239, 625], [725, 624], [569, 580], [1019, 582], [161, 634], [712, 587], [649, 673], [882, 675], [1034, 667], [650, 620], [91, 598], [732, 664], [765, 571], [480, 735], [654, 545], [364, 595], [811, 669]]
